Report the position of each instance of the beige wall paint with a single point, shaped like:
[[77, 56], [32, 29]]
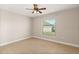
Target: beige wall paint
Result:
[[67, 26], [14, 26]]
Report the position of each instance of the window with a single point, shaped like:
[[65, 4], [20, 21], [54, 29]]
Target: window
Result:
[[49, 27]]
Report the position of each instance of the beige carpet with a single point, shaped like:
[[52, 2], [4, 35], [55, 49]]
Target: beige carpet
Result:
[[34, 45]]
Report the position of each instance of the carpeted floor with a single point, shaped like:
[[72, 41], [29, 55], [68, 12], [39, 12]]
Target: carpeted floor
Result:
[[37, 46]]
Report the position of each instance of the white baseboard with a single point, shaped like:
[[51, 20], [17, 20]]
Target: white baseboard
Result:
[[6, 43], [70, 44], [65, 43]]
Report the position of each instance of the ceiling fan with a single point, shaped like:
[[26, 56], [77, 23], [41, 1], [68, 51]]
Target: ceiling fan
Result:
[[36, 9]]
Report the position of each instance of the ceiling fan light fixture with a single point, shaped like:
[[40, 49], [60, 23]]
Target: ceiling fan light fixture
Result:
[[36, 9]]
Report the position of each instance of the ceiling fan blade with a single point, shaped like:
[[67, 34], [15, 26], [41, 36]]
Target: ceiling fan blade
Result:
[[33, 12], [42, 8], [35, 5], [29, 9], [39, 11]]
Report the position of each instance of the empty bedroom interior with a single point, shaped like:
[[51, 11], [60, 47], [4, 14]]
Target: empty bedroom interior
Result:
[[55, 30]]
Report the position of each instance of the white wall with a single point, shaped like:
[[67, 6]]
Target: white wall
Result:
[[67, 26], [14, 26], [0, 27]]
